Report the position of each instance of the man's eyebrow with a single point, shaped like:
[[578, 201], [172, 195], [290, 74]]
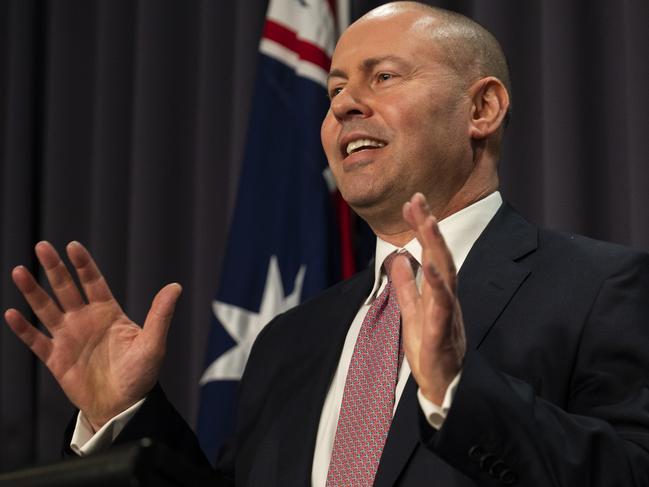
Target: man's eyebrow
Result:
[[336, 73], [368, 64]]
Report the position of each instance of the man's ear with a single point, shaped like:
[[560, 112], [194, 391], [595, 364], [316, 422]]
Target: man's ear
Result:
[[490, 102]]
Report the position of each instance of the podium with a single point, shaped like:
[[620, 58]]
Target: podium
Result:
[[140, 464]]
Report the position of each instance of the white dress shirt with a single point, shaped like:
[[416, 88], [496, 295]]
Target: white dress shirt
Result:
[[460, 231]]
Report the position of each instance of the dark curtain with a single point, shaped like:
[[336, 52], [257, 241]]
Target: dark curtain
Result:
[[121, 127], [122, 124]]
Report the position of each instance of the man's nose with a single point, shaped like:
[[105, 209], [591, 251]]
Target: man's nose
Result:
[[350, 103]]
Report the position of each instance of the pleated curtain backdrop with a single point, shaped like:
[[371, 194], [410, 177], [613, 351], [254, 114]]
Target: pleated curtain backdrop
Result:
[[122, 123]]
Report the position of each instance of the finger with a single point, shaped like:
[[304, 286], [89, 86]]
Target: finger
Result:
[[458, 334], [156, 325], [34, 339], [47, 311], [91, 279], [430, 237], [419, 208], [60, 280], [404, 283], [416, 213], [422, 218], [440, 293], [438, 252], [422, 235], [409, 217], [408, 298]]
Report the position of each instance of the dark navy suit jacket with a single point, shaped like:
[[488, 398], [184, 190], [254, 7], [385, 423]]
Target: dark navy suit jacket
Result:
[[554, 389]]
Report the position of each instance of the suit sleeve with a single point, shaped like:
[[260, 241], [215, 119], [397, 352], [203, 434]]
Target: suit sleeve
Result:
[[158, 420], [499, 432]]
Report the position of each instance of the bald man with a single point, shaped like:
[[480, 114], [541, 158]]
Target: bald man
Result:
[[526, 351]]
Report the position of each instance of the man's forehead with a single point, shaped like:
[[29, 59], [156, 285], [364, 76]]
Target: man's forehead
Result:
[[389, 24], [397, 39]]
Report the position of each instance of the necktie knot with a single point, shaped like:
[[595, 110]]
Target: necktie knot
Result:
[[389, 260]]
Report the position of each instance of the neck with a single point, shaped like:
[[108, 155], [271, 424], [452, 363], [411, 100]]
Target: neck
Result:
[[397, 232], [399, 238], [459, 202], [388, 223]]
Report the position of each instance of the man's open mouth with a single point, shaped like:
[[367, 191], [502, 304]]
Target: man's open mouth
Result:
[[363, 144]]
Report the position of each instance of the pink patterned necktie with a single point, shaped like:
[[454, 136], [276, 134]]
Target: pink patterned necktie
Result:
[[368, 398]]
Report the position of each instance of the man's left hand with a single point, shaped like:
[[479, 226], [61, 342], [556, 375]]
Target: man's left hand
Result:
[[432, 325]]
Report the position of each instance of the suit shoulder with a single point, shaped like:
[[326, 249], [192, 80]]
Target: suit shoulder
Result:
[[292, 337], [345, 295], [358, 282], [597, 256]]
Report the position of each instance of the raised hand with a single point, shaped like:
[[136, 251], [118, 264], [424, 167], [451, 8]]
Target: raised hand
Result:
[[432, 326], [102, 360]]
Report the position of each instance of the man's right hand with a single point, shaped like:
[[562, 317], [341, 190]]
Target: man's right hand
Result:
[[103, 361]]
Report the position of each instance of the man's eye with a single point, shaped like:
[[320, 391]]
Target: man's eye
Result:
[[333, 92], [384, 76]]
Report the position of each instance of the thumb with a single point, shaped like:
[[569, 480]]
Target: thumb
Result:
[[159, 317]]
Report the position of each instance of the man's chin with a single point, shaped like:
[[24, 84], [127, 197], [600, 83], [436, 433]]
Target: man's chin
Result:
[[369, 205], [361, 201]]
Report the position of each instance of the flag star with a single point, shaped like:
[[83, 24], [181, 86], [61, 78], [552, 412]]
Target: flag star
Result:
[[244, 325]]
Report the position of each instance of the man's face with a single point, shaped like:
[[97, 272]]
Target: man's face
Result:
[[399, 117]]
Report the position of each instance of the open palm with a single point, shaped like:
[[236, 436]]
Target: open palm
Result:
[[102, 360]]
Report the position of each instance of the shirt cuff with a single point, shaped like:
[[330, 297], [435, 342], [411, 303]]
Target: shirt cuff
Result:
[[435, 415], [86, 441]]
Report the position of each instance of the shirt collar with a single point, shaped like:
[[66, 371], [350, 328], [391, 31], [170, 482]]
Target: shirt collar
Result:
[[460, 231]]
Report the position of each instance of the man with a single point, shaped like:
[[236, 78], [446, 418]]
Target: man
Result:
[[550, 385]]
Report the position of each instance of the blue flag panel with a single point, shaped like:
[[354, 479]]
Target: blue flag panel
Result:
[[282, 245]]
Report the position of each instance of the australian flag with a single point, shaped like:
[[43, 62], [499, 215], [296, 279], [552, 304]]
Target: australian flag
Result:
[[284, 243]]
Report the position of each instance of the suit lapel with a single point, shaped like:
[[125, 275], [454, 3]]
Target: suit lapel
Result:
[[402, 437], [299, 425], [491, 274], [487, 281]]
